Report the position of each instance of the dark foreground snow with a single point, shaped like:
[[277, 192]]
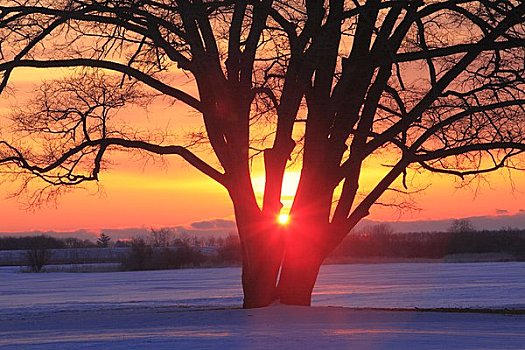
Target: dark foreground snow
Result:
[[276, 327], [198, 309]]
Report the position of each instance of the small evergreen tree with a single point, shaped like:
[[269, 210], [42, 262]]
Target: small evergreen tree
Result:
[[103, 240]]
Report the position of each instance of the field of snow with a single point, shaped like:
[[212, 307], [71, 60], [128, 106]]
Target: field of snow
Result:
[[198, 309]]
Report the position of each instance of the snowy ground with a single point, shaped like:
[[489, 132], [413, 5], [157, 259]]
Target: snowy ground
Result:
[[197, 309], [276, 328]]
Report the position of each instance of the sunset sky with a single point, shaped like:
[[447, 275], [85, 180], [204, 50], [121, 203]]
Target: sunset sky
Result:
[[179, 195], [136, 193]]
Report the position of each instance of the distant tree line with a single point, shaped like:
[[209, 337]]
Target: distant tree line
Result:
[[143, 256], [163, 249], [160, 249], [461, 238], [29, 242]]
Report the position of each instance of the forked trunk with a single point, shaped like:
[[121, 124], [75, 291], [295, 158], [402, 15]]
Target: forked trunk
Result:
[[306, 248], [280, 265], [299, 273], [262, 252]]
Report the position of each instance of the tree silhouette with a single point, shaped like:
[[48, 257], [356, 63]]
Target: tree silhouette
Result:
[[425, 85], [461, 226], [162, 237], [103, 240]]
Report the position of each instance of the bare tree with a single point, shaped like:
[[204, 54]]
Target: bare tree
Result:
[[423, 85], [37, 258], [461, 226], [39, 253], [162, 237], [377, 230]]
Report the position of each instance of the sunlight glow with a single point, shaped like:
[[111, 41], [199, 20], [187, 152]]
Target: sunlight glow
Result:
[[283, 219], [288, 189]]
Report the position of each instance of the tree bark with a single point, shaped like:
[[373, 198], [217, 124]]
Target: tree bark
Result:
[[300, 268], [267, 276], [262, 252], [271, 272], [298, 276]]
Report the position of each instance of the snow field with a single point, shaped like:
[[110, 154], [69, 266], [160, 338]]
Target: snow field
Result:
[[199, 309]]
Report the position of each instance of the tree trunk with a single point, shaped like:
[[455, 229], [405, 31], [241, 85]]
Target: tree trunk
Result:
[[282, 263], [262, 251], [263, 260], [299, 271]]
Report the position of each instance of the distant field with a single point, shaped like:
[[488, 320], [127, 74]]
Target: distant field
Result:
[[396, 285]]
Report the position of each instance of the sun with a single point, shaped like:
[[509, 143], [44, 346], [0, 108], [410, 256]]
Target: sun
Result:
[[283, 219]]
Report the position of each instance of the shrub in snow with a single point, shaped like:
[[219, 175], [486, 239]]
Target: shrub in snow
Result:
[[37, 258]]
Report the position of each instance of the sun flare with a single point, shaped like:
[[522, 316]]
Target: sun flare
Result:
[[283, 219]]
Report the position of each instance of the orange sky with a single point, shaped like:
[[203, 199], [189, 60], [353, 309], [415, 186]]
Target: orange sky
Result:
[[170, 194], [180, 195]]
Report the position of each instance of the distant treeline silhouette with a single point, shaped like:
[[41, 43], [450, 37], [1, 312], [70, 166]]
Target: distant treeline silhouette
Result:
[[373, 241], [162, 249], [433, 245], [30, 242], [181, 253]]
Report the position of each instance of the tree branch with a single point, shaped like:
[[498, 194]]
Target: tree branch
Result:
[[181, 151], [457, 49], [110, 65], [448, 152]]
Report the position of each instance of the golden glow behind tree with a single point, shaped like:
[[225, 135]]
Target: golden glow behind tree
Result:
[[438, 85]]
